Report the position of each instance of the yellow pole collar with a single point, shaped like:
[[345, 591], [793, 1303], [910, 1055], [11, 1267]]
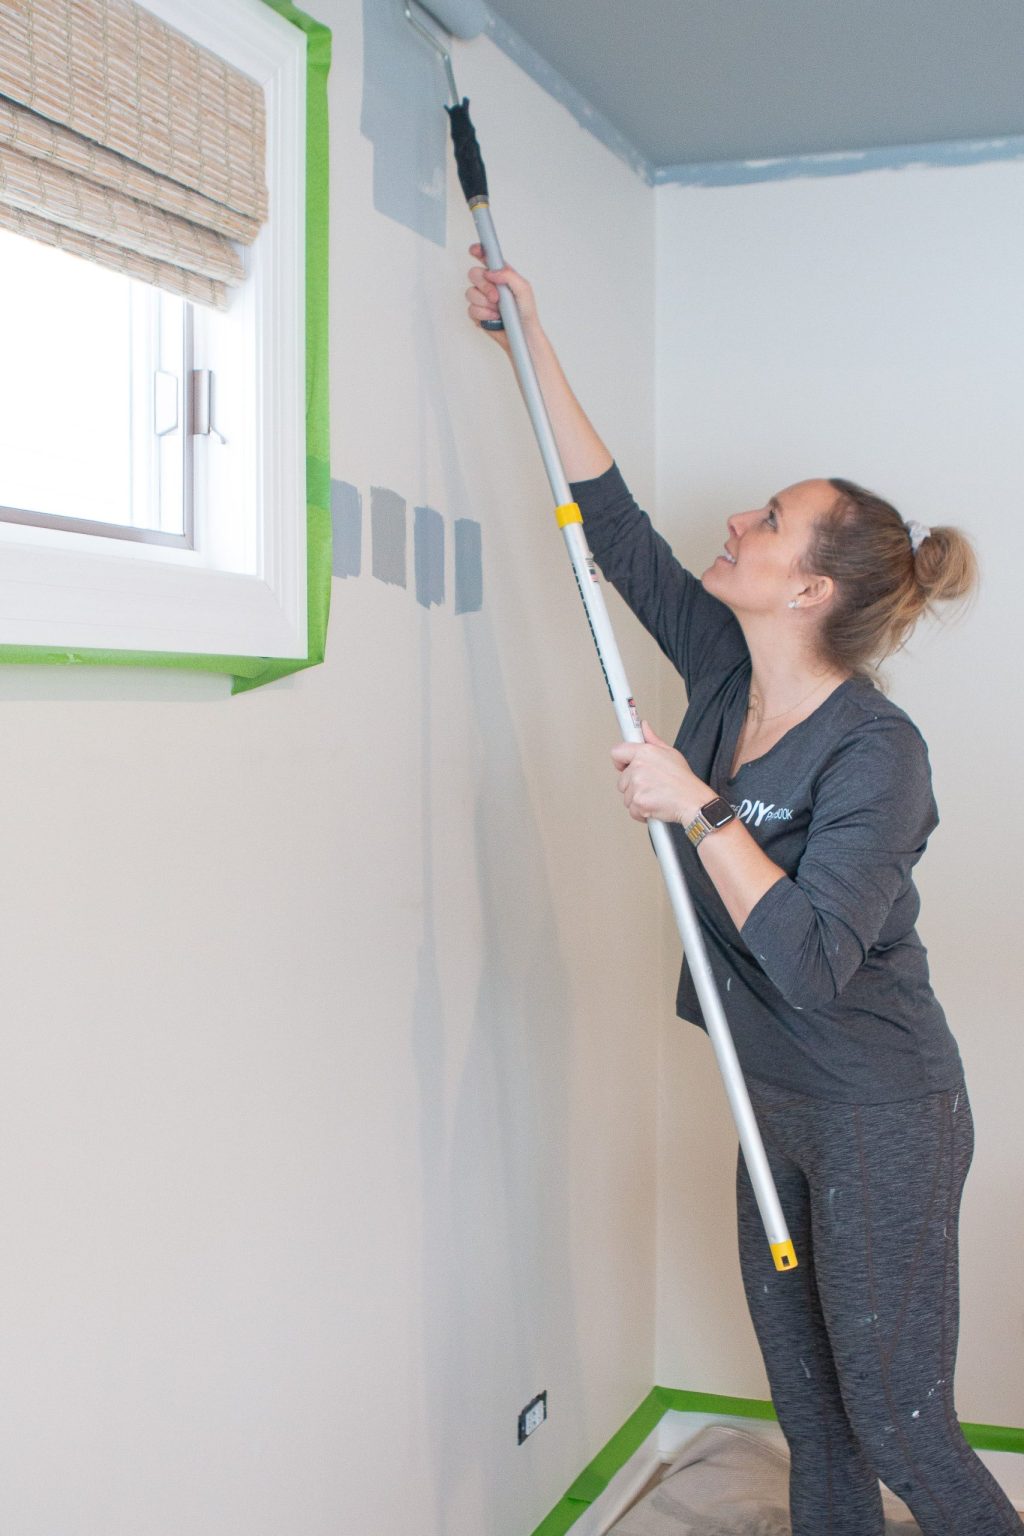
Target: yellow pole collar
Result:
[[784, 1255], [568, 513]]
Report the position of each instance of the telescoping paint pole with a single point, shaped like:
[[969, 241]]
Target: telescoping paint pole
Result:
[[474, 184]]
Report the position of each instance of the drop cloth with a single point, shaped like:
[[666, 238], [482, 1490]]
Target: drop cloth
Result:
[[727, 1482]]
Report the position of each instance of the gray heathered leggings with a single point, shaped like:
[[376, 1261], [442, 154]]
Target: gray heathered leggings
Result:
[[860, 1341]]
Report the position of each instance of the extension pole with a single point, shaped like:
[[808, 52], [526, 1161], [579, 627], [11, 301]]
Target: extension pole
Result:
[[570, 520]]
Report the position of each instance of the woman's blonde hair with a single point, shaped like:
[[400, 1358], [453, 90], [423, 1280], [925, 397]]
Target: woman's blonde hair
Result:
[[882, 586]]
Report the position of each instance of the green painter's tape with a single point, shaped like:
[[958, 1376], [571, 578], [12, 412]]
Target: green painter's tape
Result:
[[619, 1449], [710, 1402], [251, 671], [994, 1437], [594, 1479]]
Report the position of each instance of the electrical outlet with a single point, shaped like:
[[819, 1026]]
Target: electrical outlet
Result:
[[533, 1416]]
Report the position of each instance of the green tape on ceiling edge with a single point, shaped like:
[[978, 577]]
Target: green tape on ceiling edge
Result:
[[594, 1479], [252, 671]]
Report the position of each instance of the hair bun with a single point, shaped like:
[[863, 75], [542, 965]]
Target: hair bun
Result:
[[862, 543], [945, 565]]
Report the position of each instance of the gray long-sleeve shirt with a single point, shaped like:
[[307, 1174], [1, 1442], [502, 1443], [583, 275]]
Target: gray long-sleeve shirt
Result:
[[826, 985]]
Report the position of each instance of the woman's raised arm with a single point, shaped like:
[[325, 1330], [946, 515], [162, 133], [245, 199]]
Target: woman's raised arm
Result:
[[583, 454]]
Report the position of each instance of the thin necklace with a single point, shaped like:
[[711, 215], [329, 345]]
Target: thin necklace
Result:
[[767, 719]]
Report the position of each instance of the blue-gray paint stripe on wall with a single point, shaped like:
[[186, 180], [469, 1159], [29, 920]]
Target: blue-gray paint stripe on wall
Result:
[[469, 571], [404, 92], [387, 527], [346, 529], [428, 556], [854, 162]]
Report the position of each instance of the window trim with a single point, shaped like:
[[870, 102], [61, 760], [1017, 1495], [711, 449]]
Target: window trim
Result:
[[295, 571]]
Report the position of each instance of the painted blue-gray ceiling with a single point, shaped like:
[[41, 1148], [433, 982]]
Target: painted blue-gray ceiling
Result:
[[690, 81]]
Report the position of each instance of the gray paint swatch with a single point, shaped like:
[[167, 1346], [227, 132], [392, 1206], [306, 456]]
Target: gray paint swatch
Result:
[[403, 92], [428, 556], [387, 526], [346, 529], [469, 571]]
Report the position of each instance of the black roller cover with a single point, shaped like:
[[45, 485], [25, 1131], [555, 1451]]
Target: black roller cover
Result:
[[468, 159]]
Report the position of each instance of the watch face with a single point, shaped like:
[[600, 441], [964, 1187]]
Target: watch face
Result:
[[717, 812]]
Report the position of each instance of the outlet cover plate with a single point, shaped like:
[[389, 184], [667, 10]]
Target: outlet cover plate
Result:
[[533, 1416]]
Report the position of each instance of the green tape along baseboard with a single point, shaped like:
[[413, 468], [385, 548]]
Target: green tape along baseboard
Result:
[[594, 1479], [251, 671]]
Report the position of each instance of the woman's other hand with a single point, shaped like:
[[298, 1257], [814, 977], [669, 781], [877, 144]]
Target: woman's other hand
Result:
[[656, 781]]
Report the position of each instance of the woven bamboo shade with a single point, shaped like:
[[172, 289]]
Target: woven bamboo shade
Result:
[[127, 143]]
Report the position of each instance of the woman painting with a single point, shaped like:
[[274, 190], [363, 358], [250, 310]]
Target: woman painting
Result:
[[801, 800]]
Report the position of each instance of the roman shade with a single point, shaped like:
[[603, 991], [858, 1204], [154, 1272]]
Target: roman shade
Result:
[[125, 142]]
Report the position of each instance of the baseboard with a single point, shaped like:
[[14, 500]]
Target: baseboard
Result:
[[668, 1418]]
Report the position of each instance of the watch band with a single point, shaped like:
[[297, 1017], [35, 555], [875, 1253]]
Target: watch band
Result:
[[717, 813], [696, 830]]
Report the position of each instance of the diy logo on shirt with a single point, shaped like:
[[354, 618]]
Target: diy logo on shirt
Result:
[[753, 812]]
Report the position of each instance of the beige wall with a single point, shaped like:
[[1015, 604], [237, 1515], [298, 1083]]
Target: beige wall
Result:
[[869, 326], [327, 1108], [338, 1016]]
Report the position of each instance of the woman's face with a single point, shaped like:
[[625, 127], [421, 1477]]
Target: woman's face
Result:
[[761, 571]]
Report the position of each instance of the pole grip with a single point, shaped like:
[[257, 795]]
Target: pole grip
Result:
[[472, 178], [469, 162]]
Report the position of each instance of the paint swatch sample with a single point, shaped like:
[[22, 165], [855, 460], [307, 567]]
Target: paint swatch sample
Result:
[[469, 570], [403, 92], [346, 529], [387, 528], [428, 556]]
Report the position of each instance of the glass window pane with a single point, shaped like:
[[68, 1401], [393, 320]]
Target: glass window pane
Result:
[[65, 384]]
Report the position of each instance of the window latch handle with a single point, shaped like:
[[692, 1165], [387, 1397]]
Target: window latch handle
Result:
[[202, 405]]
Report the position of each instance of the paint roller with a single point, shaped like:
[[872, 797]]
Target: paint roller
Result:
[[466, 19]]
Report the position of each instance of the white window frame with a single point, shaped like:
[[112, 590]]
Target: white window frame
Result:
[[242, 590]]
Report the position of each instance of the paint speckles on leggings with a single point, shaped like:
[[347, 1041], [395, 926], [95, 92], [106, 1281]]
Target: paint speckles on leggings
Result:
[[860, 1341]]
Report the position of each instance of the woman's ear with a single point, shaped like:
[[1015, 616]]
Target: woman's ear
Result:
[[816, 593]]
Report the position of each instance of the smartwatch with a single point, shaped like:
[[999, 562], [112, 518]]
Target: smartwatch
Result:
[[717, 813]]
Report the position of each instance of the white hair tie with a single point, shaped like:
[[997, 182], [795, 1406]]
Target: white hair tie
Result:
[[917, 533]]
